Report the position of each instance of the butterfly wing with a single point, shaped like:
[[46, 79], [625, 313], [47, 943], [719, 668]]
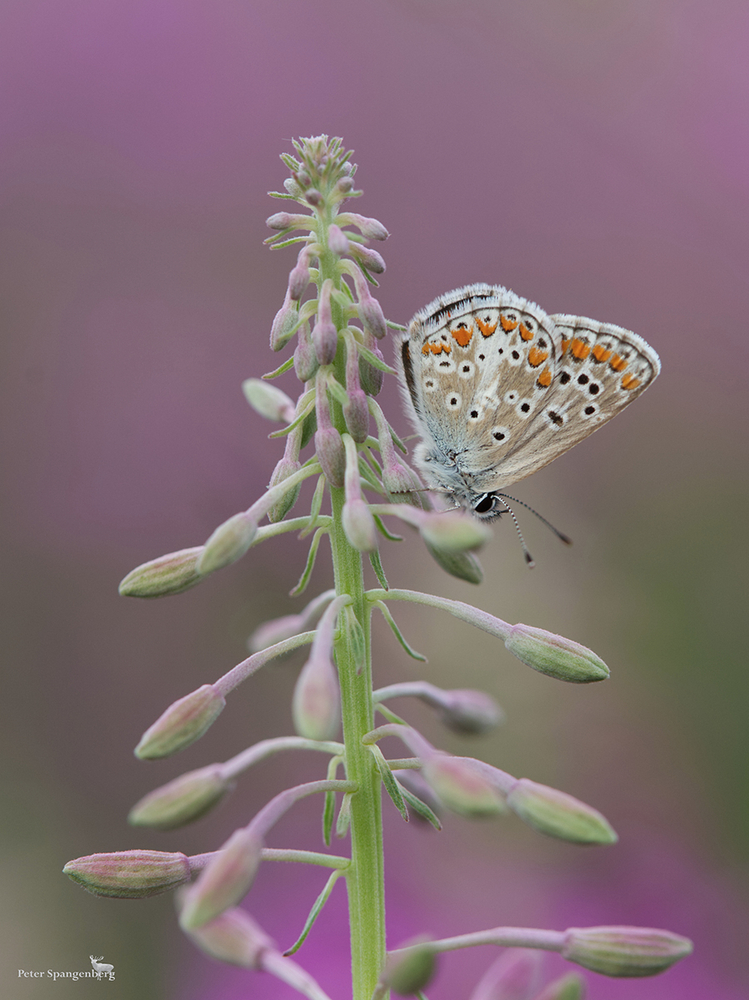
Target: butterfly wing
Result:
[[496, 388], [600, 369]]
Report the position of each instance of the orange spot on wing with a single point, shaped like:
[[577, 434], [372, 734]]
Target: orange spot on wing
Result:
[[462, 335], [618, 364], [486, 329], [525, 333], [536, 357], [544, 379], [580, 349], [565, 344], [508, 324], [425, 349], [630, 382], [600, 353]]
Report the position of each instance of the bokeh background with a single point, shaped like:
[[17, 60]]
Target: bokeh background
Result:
[[590, 154]]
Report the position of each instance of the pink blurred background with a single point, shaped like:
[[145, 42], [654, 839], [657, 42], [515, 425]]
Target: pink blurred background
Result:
[[591, 156]]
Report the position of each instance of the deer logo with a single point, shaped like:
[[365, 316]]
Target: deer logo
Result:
[[101, 968]]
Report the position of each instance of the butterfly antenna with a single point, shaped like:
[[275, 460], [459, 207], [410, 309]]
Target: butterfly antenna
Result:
[[511, 512], [560, 534]]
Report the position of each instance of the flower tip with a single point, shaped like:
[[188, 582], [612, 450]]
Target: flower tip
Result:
[[169, 574], [624, 951], [555, 656], [557, 814], [181, 724], [129, 874], [410, 969]]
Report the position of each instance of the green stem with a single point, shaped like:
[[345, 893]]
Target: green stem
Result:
[[365, 877]]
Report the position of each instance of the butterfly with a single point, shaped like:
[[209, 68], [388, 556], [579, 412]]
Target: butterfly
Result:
[[496, 388]]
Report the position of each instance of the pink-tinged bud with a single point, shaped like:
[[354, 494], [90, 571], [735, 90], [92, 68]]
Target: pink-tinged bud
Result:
[[569, 987], [356, 415], [286, 467], [401, 482], [514, 976], [345, 184], [372, 229], [325, 342], [129, 874], [228, 543], [305, 359], [299, 276], [410, 969], [284, 322], [223, 882], [559, 815], [462, 565], [554, 655], [233, 937], [169, 574], [470, 712], [452, 531], [331, 454], [313, 197], [316, 706], [367, 258], [337, 240], [372, 317], [268, 400], [624, 951], [359, 525], [181, 724], [371, 378], [285, 220], [462, 787], [183, 800]]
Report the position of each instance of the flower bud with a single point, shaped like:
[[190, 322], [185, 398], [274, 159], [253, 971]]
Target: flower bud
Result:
[[345, 184], [269, 401], [359, 525], [462, 786], [337, 240], [181, 801], [228, 543], [371, 378], [129, 874], [293, 188], [470, 712], [559, 815], [286, 467], [409, 969], [554, 655], [325, 342], [372, 317], [169, 574], [181, 724], [330, 454], [463, 565], [299, 276], [285, 220], [313, 197], [452, 531], [233, 937], [356, 415], [569, 987], [372, 229], [305, 359], [367, 258], [223, 882], [282, 328], [278, 629], [316, 707], [624, 951]]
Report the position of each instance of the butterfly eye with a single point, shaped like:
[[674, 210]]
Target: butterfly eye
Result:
[[486, 504]]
